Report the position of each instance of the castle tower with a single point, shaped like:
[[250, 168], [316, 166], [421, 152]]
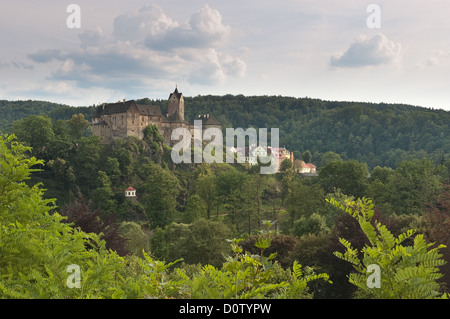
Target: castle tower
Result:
[[176, 104]]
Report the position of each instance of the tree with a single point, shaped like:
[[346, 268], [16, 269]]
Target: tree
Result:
[[329, 157], [195, 209], [306, 156], [203, 242], [229, 185], [103, 196], [63, 173], [81, 214], [112, 169], [349, 176], [313, 224], [412, 186], [206, 242], [206, 189], [387, 268], [303, 200], [274, 199], [136, 241], [251, 197], [87, 162], [77, 125], [159, 191], [37, 132], [383, 174], [61, 145], [285, 165]]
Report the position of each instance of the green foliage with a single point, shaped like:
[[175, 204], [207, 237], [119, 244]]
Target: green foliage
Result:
[[103, 195], [77, 125], [15, 110], [36, 131], [348, 176], [306, 156], [206, 189], [137, 242], [160, 190], [246, 275], [406, 271], [314, 224], [195, 209], [302, 200], [200, 242], [406, 190], [36, 247], [152, 135]]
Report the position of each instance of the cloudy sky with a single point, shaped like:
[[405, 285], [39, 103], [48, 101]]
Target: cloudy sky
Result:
[[332, 50]]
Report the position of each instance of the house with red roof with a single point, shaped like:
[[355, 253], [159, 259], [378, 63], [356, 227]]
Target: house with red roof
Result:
[[130, 192]]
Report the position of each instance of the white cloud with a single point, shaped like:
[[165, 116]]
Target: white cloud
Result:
[[44, 56], [234, 66], [133, 53], [92, 38], [214, 68], [204, 29], [150, 20], [377, 50]]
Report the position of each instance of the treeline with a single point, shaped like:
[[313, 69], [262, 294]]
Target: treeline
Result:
[[377, 134], [12, 111], [189, 211]]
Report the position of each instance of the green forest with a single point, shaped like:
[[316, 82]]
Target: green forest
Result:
[[220, 231]]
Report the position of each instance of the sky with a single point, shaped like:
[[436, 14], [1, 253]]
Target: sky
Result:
[[82, 52]]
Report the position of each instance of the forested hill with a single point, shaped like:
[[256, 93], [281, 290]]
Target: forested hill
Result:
[[374, 133], [377, 134], [11, 111]]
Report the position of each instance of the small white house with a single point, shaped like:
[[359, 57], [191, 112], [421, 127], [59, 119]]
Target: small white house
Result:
[[130, 192]]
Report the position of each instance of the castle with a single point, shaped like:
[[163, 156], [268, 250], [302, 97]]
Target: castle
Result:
[[127, 118]]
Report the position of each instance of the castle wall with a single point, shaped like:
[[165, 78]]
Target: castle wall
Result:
[[115, 122]]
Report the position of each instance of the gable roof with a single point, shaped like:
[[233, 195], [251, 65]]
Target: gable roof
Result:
[[174, 118], [152, 110], [123, 107], [112, 108]]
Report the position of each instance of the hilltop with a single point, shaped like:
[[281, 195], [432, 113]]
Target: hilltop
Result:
[[378, 134]]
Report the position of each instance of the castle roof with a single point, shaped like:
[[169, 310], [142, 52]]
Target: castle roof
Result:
[[177, 94], [101, 123], [112, 108], [153, 110], [174, 118], [207, 119], [123, 107]]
